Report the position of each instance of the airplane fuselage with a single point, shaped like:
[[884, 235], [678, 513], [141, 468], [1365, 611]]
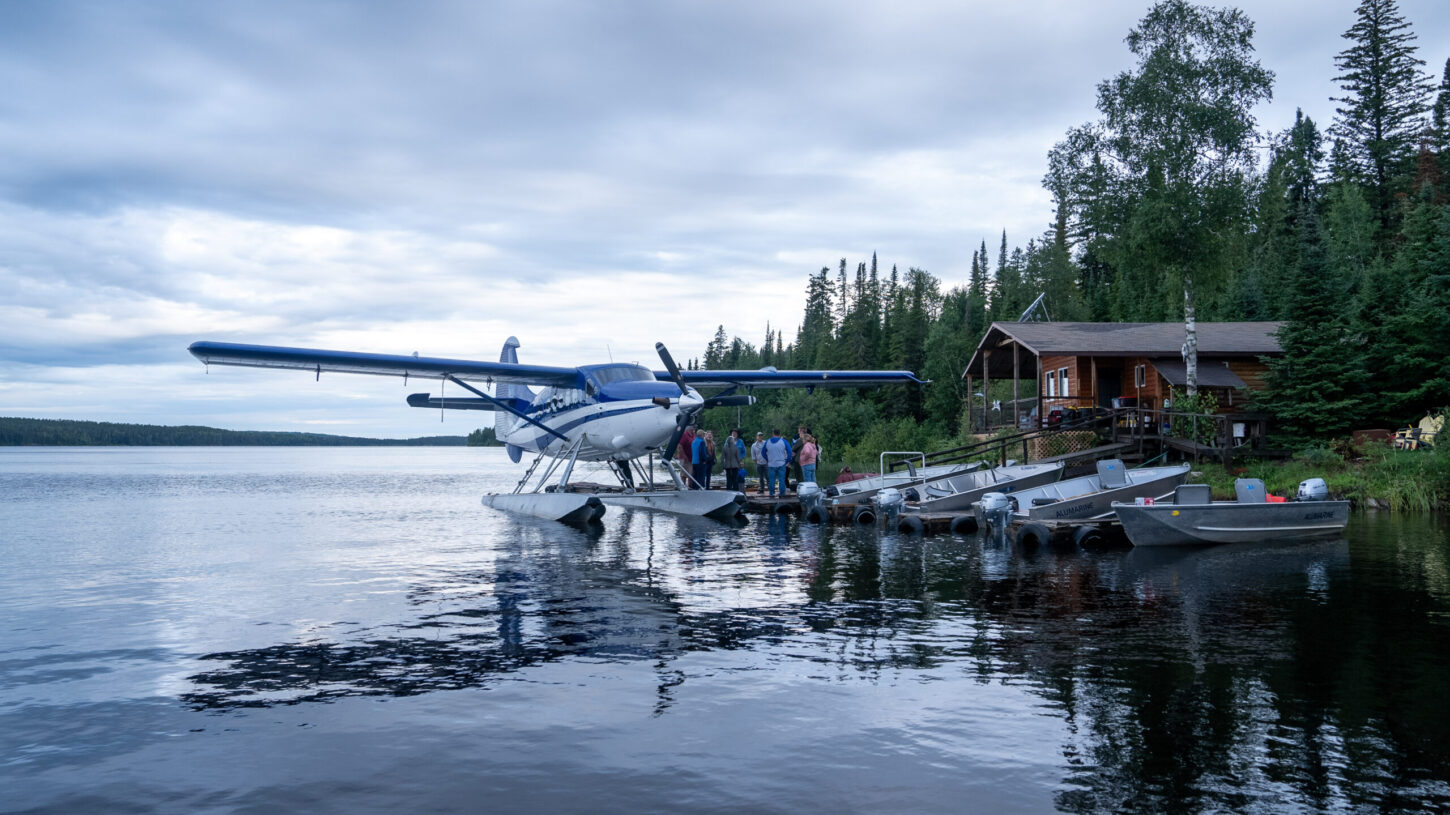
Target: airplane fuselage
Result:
[[619, 412]]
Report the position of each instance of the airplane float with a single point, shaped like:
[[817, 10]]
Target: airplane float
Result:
[[617, 413]]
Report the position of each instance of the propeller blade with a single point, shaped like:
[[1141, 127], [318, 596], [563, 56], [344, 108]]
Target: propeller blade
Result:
[[736, 400], [682, 421], [670, 366]]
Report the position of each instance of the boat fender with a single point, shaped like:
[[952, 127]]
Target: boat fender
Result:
[[864, 515], [964, 525], [786, 509], [816, 515], [911, 525], [1034, 534], [1087, 536]]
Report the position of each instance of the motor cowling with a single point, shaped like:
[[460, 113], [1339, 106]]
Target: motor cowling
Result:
[[1312, 489], [996, 509], [889, 502], [811, 496]]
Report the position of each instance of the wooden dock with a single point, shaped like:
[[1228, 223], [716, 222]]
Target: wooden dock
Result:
[[1080, 532]]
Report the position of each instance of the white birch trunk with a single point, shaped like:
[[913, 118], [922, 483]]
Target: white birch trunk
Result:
[[1190, 343]]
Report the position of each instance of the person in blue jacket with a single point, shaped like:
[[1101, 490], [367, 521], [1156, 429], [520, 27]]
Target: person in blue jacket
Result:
[[778, 455], [700, 462]]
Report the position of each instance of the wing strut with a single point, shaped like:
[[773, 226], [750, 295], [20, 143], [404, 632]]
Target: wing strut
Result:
[[504, 407]]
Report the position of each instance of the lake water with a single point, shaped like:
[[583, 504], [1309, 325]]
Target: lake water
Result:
[[348, 630]]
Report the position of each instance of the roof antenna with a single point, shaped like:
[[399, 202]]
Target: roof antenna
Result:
[[609, 351]]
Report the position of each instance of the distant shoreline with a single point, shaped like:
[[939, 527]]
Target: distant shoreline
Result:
[[23, 432]]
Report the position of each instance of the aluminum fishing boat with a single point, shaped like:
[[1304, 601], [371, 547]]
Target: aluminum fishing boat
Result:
[[1091, 496], [1193, 518], [862, 490], [959, 491]]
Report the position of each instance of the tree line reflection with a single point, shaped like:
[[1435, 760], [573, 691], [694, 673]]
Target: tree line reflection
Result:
[[1307, 675]]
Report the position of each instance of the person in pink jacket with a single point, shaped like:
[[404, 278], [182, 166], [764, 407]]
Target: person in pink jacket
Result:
[[809, 453]]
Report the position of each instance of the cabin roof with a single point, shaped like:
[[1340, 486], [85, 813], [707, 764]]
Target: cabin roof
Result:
[[1118, 340]]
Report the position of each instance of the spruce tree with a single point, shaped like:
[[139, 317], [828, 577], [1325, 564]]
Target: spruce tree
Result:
[[1440, 123], [976, 322], [1412, 339], [715, 352], [815, 332], [1317, 385], [1384, 103]]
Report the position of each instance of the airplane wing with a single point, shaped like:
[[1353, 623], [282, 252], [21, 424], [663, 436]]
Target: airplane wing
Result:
[[353, 362], [771, 378]]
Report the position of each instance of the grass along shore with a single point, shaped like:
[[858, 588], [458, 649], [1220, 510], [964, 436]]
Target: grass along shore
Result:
[[1374, 476]]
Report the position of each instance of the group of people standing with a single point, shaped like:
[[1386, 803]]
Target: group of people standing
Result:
[[772, 458], [699, 453]]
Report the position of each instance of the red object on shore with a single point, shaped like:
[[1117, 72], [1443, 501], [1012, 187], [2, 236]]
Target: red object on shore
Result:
[[846, 475], [1362, 437]]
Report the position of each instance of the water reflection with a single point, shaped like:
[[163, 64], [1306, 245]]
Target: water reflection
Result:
[[1227, 678]]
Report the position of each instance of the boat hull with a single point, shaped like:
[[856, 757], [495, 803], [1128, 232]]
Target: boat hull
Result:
[[862, 490], [715, 503], [969, 488], [1078, 498], [569, 507], [1230, 522]]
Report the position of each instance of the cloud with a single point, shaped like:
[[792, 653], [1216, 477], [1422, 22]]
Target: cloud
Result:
[[591, 177]]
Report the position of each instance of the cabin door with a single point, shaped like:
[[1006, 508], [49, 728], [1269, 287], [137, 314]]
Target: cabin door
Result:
[[1110, 386]]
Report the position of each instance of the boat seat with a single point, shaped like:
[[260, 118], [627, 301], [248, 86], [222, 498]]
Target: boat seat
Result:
[[1193, 494], [937, 492], [1250, 490], [1112, 473]]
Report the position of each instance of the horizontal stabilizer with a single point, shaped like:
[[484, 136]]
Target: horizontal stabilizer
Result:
[[425, 400]]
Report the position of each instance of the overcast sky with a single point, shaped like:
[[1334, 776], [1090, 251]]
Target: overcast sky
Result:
[[589, 176]]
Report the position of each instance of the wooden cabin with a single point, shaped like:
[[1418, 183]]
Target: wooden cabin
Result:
[[1092, 364]]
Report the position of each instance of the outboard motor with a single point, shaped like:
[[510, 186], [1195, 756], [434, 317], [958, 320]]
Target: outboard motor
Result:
[[813, 501], [889, 502], [996, 509], [1312, 489]]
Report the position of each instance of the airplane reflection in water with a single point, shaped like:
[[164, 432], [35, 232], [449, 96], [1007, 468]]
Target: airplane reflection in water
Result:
[[1164, 665]]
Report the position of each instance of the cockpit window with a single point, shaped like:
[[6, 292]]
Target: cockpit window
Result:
[[621, 373]]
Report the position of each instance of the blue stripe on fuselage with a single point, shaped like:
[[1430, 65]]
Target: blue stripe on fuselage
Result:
[[533, 443]]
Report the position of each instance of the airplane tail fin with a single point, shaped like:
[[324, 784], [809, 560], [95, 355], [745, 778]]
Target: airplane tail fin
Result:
[[503, 421]]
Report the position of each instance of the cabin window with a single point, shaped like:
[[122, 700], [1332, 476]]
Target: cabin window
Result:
[[1062, 381], [1051, 383], [1140, 376]]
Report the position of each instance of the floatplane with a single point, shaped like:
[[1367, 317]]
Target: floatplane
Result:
[[619, 413]]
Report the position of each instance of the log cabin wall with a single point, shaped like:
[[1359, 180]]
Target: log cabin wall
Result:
[[1154, 389], [1075, 391]]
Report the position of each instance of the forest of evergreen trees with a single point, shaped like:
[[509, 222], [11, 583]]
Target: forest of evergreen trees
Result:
[[17, 432], [1164, 204]]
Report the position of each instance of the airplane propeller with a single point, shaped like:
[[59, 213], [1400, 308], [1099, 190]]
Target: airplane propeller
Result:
[[687, 415], [682, 419], [670, 366]]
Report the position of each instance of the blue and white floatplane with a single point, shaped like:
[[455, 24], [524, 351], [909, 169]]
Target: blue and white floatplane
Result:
[[618, 413]]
